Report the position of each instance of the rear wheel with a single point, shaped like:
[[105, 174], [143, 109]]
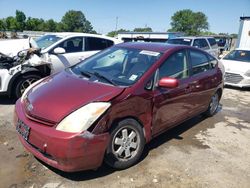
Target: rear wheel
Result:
[[213, 105], [23, 83], [126, 144]]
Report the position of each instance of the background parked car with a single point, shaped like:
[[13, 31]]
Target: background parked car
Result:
[[208, 44], [66, 49], [110, 105], [58, 51], [237, 68]]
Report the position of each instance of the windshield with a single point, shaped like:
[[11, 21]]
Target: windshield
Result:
[[180, 41], [117, 66], [238, 55], [47, 40]]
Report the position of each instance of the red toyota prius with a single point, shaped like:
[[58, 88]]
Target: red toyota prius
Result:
[[109, 106]]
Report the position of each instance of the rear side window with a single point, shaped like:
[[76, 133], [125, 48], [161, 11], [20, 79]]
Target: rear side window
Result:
[[200, 62], [93, 43], [201, 43], [176, 66], [212, 43]]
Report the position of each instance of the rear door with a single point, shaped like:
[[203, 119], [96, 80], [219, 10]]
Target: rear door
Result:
[[203, 80], [94, 45], [171, 106]]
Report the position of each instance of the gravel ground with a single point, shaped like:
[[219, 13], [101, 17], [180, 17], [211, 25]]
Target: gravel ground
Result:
[[212, 152]]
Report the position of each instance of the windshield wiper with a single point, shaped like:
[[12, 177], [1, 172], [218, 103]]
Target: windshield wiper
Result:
[[86, 73], [97, 74]]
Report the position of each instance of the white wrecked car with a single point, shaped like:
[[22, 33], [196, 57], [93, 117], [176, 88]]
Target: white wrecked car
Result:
[[56, 52]]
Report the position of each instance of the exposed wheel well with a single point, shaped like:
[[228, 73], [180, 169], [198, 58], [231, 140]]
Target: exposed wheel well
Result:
[[115, 122], [15, 80], [219, 92], [42, 71]]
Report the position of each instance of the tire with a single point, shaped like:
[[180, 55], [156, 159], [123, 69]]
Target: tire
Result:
[[126, 144], [213, 105], [24, 82]]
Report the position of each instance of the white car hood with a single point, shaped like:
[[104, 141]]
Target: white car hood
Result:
[[11, 47], [235, 66]]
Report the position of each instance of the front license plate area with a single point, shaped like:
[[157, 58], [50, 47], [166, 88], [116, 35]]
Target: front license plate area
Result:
[[23, 129]]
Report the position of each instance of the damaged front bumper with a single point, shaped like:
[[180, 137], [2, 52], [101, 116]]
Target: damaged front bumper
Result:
[[68, 152]]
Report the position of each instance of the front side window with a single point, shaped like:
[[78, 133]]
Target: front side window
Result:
[[93, 43], [176, 66], [72, 45], [116, 65], [201, 43], [200, 62], [238, 55]]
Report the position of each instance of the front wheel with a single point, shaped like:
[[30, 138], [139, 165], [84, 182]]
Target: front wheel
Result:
[[213, 105], [23, 83], [126, 144]]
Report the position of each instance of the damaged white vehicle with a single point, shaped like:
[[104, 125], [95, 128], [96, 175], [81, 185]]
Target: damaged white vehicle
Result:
[[49, 54]]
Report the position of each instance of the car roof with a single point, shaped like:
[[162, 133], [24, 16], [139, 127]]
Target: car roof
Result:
[[72, 34], [152, 46], [193, 37]]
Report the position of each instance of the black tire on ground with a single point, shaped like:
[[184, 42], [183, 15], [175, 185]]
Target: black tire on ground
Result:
[[213, 105], [126, 144], [24, 82]]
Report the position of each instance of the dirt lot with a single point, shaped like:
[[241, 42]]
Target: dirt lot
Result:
[[213, 152]]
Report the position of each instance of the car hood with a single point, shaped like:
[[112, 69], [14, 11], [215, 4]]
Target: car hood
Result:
[[235, 66], [59, 95]]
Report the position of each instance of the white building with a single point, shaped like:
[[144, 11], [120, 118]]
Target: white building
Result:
[[243, 40], [147, 36]]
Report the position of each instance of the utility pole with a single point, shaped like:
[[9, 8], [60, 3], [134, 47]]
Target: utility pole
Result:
[[116, 24]]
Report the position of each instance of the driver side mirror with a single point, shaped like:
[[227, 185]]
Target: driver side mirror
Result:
[[168, 82], [59, 50]]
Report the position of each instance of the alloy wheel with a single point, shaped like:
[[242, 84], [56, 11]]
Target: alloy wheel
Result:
[[125, 144]]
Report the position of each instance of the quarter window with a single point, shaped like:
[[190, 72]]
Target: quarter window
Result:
[[200, 62], [176, 66], [93, 43]]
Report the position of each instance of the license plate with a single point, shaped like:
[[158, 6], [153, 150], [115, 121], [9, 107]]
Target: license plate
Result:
[[23, 129]]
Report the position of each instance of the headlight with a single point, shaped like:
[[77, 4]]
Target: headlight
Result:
[[24, 95], [82, 118], [247, 73]]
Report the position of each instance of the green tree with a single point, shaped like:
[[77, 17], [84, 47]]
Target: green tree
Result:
[[2, 24], [20, 20], [234, 35], [189, 22], [11, 23], [34, 24], [143, 29], [49, 25], [75, 21], [114, 33]]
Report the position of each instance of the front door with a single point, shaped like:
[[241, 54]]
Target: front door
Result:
[[171, 105], [74, 51]]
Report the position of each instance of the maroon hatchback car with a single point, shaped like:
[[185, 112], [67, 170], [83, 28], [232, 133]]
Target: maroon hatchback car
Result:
[[109, 106]]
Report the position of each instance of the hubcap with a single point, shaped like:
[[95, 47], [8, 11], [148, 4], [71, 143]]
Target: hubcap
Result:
[[214, 103], [125, 143], [26, 84]]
